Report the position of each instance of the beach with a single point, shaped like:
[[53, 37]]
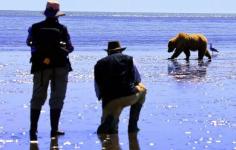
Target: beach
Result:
[[189, 105]]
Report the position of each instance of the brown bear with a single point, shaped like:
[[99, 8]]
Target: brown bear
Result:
[[184, 42]]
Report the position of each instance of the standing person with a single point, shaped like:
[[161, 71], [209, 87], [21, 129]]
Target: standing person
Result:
[[50, 45], [118, 84]]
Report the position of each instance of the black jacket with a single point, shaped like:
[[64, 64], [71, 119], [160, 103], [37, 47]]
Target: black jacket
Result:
[[49, 39], [115, 77]]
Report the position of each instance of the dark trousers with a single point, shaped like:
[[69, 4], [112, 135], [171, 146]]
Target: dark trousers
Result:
[[58, 79]]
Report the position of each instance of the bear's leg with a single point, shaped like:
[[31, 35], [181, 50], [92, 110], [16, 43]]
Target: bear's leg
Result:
[[176, 53], [207, 54], [201, 53], [187, 53]]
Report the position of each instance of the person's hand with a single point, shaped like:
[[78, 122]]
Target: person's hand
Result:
[[140, 87], [63, 46], [46, 61]]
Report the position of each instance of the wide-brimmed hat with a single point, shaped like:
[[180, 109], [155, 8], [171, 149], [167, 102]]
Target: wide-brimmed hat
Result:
[[53, 9], [114, 46]]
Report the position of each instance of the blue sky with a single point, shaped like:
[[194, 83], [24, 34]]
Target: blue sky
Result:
[[172, 6]]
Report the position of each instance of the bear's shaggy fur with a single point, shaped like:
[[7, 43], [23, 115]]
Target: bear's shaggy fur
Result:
[[184, 42]]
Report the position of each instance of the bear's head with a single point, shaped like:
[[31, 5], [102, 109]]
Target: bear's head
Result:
[[171, 46]]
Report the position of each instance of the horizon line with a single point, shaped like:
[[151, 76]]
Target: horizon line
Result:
[[127, 12]]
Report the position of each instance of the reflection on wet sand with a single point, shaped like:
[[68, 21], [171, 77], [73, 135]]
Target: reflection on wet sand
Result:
[[34, 146], [188, 71], [133, 141], [111, 141], [53, 145]]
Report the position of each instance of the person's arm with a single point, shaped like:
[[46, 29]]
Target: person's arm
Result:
[[137, 77], [97, 91], [96, 87], [66, 38], [29, 40]]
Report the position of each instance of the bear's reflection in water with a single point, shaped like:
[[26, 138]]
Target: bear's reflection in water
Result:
[[188, 71]]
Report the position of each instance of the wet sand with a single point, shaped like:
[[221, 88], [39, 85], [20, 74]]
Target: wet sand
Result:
[[188, 105]]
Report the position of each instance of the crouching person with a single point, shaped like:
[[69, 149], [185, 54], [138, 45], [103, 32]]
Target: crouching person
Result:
[[118, 84]]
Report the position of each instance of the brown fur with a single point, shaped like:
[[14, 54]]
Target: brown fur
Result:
[[184, 42]]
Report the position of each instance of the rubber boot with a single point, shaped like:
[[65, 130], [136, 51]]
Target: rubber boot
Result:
[[34, 118], [54, 119], [134, 117], [109, 126]]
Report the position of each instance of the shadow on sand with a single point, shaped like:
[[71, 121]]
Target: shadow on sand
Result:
[[188, 71], [111, 141]]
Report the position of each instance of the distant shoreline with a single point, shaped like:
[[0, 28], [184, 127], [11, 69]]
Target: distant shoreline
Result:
[[120, 14]]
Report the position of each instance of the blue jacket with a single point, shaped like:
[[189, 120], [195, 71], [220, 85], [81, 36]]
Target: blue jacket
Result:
[[115, 77]]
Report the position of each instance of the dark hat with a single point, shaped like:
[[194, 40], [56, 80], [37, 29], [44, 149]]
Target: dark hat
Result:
[[53, 9], [114, 46]]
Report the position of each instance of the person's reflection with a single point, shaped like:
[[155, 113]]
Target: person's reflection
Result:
[[34, 146], [109, 141], [54, 144], [187, 71], [133, 141]]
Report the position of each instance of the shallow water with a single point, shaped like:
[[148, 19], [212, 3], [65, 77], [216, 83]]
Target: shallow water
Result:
[[189, 105]]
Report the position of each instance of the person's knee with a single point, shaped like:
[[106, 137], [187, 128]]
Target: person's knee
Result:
[[39, 97], [142, 96], [37, 103], [56, 103]]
